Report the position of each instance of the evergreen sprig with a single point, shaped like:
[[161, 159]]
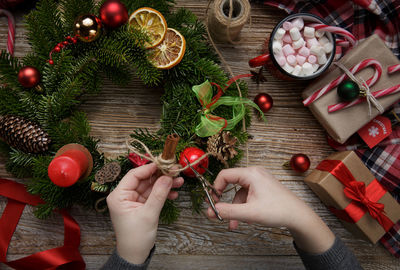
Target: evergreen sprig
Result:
[[79, 70]]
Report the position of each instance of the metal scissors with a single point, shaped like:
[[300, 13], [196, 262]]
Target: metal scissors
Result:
[[206, 186]]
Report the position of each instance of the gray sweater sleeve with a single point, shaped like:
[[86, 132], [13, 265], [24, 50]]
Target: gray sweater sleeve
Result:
[[115, 262], [338, 257]]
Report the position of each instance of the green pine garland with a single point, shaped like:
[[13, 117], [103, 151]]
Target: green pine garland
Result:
[[80, 69]]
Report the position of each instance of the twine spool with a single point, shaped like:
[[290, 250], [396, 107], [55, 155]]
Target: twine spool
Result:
[[223, 28]]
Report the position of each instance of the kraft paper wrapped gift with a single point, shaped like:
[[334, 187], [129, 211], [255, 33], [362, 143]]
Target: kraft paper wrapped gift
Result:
[[344, 123], [333, 193]]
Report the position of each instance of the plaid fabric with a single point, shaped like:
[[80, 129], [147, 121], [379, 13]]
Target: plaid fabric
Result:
[[364, 18]]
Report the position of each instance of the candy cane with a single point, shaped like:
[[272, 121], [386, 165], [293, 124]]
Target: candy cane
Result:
[[11, 30], [336, 30], [363, 64], [393, 69], [342, 43], [376, 94]]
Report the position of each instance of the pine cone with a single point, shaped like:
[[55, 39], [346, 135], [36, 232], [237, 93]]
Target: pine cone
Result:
[[222, 146], [23, 134]]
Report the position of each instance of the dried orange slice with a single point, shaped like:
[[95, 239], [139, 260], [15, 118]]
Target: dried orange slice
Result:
[[152, 22], [170, 52]]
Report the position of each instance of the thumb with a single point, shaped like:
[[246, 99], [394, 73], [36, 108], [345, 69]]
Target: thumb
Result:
[[234, 211], [159, 194]]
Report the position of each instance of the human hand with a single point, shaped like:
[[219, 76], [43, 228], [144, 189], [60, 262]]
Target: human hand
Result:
[[135, 206], [263, 199]]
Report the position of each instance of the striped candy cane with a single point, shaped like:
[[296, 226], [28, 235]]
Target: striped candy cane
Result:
[[393, 69], [363, 64], [376, 94], [336, 30], [11, 30]]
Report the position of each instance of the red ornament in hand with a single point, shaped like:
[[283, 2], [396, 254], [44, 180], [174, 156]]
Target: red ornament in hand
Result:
[[113, 13], [264, 101], [300, 163], [192, 154], [29, 77]]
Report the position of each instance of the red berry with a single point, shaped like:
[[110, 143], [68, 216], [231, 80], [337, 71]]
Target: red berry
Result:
[[57, 49], [60, 45], [65, 43], [74, 40], [192, 154], [51, 62]]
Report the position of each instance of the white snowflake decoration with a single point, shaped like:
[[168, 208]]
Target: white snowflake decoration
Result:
[[373, 131]]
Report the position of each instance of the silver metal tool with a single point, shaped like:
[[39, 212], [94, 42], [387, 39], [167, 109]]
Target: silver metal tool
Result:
[[206, 186]]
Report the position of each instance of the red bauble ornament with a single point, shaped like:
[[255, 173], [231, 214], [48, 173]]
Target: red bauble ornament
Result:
[[113, 13], [300, 163], [192, 154], [264, 101], [29, 77]]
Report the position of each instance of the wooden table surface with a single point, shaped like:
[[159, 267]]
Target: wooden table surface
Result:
[[194, 242]]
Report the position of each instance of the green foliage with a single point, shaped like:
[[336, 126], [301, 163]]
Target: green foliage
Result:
[[79, 69]]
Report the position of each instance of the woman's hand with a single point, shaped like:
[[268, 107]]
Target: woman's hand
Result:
[[263, 199], [135, 206]]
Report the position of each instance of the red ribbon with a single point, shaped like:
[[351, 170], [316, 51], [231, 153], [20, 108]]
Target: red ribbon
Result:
[[364, 199], [67, 256]]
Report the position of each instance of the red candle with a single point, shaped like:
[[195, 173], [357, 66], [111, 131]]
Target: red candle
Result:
[[66, 169]]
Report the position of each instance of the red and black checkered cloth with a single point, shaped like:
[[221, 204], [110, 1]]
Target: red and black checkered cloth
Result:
[[364, 18]]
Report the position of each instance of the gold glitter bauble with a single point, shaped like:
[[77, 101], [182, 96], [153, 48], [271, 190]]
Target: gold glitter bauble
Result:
[[87, 27]]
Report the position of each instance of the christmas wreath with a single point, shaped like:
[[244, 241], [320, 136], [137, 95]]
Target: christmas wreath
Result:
[[73, 52]]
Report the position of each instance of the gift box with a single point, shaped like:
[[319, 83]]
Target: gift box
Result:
[[353, 194], [344, 123]]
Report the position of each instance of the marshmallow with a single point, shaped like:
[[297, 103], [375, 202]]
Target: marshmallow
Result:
[[328, 47], [315, 67], [287, 26], [279, 33], [277, 47], [309, 32], [288, 68], [298, 23], [291, 60], [312, 59], [296, 71], [311, 42], [300, 59], [323, 40], [298, 43], [322, 59], [317, 50], [295, 33], [307, 69], [319, 33], [304, 51], [288, 50], [281, 60], [286, 38]]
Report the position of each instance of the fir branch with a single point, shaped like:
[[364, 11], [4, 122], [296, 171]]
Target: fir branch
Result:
[[72, 9], [9, 67]]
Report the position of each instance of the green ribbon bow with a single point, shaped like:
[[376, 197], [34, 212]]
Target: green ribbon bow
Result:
[[211, 124]]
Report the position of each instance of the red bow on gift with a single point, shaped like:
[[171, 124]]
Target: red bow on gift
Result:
[[364, 198]]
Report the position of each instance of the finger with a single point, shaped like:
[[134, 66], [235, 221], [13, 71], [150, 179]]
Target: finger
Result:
[[131, 180], [232, 176], [233, 224], [177, 182], [159, 194], [233, 211], [240, 197], [173, 195]]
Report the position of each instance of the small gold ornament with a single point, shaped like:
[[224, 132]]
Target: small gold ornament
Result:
[[87, 27]]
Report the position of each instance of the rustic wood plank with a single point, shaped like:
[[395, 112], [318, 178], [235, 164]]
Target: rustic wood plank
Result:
[[194, 242]]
